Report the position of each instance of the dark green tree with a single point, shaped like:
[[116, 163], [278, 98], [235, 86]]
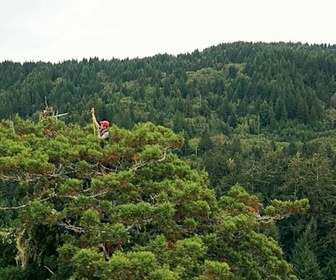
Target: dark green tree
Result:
[[304, 259]]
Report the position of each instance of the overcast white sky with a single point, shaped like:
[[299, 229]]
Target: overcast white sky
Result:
[[58, 30]]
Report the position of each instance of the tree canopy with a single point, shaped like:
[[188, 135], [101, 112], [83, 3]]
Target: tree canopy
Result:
[[131, 210]]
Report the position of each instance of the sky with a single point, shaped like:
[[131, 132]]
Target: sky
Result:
[[59, 30]]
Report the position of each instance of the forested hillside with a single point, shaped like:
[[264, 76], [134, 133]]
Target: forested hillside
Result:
[[254, 114]]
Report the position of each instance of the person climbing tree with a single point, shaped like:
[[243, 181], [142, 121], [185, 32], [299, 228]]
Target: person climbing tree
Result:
[[101, 128]]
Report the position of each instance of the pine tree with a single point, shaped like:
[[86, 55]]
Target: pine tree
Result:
[[132, 209], [304, 259]]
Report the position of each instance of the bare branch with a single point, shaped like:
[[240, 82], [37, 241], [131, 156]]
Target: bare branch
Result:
[[141, 164], [72, 227], [164, 154], [101, 246], [272, 218], [21, 206], [14, 207], [49, 269], [78, 196]]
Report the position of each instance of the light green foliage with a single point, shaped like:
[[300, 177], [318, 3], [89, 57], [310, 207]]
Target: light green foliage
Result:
[[89, 218], [283, 208], [130, 210], [119, 267], [40, 213], [238, 238], [163, 274], [87, 263], [216, 270], [187, 256], [132, 265], [71, 185]]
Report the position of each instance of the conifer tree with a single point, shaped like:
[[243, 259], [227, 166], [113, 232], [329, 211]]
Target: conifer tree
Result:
[[132, 209], [304, 258]]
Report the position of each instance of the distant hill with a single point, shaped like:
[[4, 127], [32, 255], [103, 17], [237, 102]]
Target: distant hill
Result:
[[258, 84]]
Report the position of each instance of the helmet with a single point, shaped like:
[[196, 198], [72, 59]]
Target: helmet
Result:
[[105, 123]]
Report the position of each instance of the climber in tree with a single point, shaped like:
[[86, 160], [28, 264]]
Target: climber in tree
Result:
[[101, 128]]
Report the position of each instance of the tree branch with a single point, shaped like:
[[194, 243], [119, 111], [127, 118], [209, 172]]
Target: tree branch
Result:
[[272, 218], [101, 246], [142, 164], [14, 207], [71, 227], [21, 206], [49, 269], [77, 196]]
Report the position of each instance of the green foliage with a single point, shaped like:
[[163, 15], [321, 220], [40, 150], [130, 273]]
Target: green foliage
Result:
[[142, 214], [87, 263], [260, 115], [163, 274], [216, 270], [304, 255], [187, 256], [40, 213], [329, 271], [13, 273]]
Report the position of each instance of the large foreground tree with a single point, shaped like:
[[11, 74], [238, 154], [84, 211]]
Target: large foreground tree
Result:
[[130, 210]]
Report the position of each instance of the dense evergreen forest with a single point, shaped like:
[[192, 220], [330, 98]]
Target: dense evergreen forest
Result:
[[213, 153]]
